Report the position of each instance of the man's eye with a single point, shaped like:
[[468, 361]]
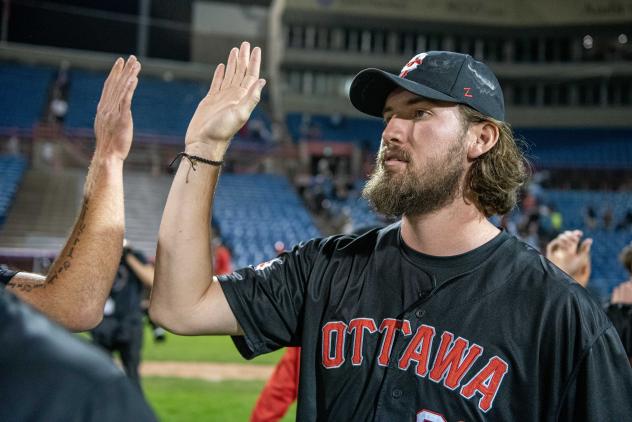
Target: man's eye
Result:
[[386, 120], [420, 113]]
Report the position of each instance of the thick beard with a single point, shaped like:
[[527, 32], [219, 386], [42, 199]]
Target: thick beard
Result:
[[416, 192]]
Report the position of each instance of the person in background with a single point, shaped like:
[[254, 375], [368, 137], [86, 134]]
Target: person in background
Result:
[[223, 261], [557, 219], [122, 327], [281, 389], [572, 255], [590, 218], [620, 309]]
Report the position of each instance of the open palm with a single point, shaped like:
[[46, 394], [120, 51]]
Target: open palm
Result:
[[235, 91], [113, 125]]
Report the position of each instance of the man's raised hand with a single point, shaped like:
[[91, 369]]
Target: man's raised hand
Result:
[[113, 124], [235, 91]]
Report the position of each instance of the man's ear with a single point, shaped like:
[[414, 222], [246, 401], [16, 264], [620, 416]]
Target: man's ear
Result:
[[484, 136]]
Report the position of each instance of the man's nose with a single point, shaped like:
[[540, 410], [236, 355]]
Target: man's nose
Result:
[[395, 130]]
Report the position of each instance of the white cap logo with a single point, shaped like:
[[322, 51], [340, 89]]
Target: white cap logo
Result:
[[412, 64]]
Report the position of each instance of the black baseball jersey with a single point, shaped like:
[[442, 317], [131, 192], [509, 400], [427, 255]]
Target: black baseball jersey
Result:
[[48, 374], [497, 334]]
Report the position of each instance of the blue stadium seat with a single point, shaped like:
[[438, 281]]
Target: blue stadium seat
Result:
[[254, 211], [12, 170], [365, 131], [584, 148], [23, 94]]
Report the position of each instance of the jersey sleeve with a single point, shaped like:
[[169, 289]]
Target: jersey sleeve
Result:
[[268, 299], [600, 388]]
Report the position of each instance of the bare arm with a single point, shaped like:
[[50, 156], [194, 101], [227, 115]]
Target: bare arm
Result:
[[75, 289], [145, 272], [185, 298]]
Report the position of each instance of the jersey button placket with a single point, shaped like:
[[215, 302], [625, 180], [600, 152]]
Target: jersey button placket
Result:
[[396, 393], [419, 313]]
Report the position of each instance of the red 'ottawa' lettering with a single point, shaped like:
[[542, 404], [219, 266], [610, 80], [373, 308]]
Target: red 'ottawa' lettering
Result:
[[453, 360], [388, 327], [331, 329], [486, 382], [359, 325]]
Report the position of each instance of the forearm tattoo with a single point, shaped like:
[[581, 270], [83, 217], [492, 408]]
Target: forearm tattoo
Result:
[[62, 264]]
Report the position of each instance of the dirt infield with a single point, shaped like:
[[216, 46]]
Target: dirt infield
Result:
[[206, 371]]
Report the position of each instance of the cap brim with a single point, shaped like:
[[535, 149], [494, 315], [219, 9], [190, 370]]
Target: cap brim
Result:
[[370, 88]]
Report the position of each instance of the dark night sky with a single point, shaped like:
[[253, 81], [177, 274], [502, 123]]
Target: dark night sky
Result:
[[102, 26]]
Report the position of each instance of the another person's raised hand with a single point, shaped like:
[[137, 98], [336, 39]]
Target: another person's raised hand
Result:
[[113, 124], [235, 91], [567, 253]]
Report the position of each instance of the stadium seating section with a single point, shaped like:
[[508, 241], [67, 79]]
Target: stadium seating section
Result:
[[579, 148], [364, 131], [159, 107], [11, 172], [23, 94], [255, 211]]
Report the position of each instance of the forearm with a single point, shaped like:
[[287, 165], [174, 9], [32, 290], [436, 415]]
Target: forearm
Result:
[[145, 272], [184, 270], [81, 277]]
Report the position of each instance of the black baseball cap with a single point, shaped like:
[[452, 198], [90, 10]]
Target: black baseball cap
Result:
[[437, 75]]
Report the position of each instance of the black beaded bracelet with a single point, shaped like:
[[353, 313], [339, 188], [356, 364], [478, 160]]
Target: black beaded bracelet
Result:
[[194, 159]]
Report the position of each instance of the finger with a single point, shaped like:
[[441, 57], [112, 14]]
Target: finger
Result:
[[553, 246], [242, 63], [218, 77], [230, 68], [123, 80], [584, 248], [566, 242], [254, 95], [105, 92], [126, 103], [252, 74]]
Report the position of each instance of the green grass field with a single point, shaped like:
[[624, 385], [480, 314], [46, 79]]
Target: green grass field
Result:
[[199, 349], [186, 400], [192, 400]]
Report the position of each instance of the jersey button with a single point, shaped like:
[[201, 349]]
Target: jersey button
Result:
[[419, 313], [396, 393]]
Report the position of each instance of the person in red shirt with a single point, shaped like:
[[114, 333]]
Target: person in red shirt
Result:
[[281, 389], [223, 261]]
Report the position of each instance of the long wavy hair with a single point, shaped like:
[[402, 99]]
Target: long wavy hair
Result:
[[495, 178]]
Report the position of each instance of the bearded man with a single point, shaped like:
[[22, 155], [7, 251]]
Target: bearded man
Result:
[[439, 317]]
